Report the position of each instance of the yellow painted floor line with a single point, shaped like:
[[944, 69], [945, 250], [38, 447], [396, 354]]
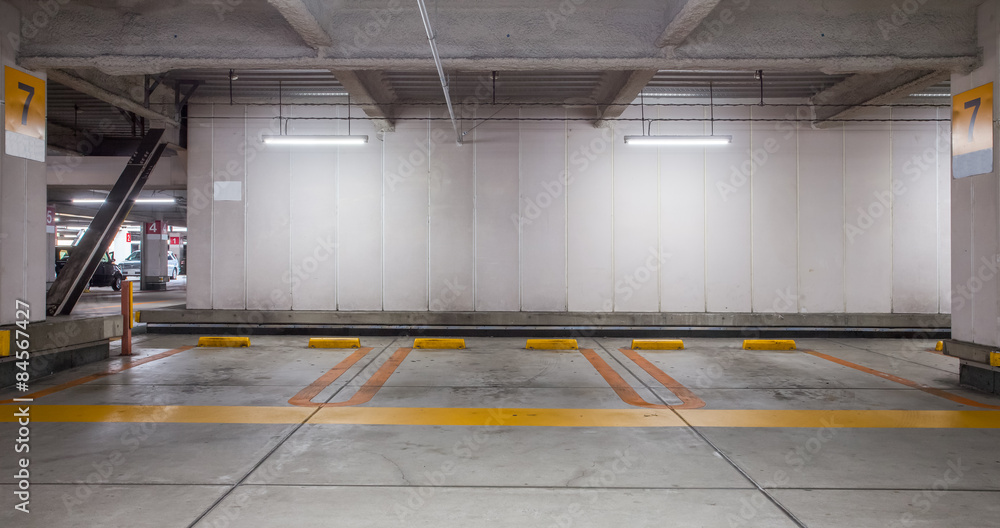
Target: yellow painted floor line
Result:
[[135, 362], [890, 419]]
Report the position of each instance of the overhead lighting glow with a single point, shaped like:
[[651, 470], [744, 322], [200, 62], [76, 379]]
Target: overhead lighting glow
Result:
[[175, 229], [315, 140], [678, 140], [139, 200]]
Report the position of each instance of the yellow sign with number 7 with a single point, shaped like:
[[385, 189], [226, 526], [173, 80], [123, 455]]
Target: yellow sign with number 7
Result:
[[24, 107], [972, 132]]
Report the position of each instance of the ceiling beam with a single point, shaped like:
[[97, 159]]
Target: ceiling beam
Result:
[[370, 91], [832, 64], [687, 19], [846, 98], [303, 22], [123, 101], [617, 90]]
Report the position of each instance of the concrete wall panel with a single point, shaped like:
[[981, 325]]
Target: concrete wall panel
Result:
[[359, 221], [452, 221], [497, 150], [775, 210], [200, 203], [555, 216], [268, 244], [682, 214], [636, 220], [590, 239], [915, 192], [821, 219], [543, 213], [229, 216], [313, 215], [727, 234], [868, 189], [406, 215]]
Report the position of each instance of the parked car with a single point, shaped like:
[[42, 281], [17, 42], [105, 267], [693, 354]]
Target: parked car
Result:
[[108, 273], [132, 267]]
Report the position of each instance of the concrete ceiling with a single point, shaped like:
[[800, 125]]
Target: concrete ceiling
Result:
[[844, 53]]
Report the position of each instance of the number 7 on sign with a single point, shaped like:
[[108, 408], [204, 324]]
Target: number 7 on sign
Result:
[[27, 101], [977, 102]]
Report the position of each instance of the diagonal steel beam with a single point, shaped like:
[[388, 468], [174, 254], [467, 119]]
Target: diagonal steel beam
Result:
[[83, 262]]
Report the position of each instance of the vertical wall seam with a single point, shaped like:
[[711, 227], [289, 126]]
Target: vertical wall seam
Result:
[[753, 172], [475, 217], [246, 196], [798, 216], [614, 261], [382, 228], [843, 234], [704, 244], [520, 215], [659, 226], [427, 243], [892, 215], [565, 175]]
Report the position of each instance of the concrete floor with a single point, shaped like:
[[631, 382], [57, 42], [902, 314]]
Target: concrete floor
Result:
[[497, 435], [105, 301]]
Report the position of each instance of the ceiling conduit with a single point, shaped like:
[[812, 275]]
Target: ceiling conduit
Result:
[[440, 68]]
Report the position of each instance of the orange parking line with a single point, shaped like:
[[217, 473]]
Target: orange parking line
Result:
[[305, 396], [903, 381], [369, 389], [619, 385], [690, 400], [92, 377]]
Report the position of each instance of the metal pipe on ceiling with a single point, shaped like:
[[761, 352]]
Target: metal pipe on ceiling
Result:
[[440, 68]]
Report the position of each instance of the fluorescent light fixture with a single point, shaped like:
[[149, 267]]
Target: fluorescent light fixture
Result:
[[678, 140], [175, 229], [315, 140], [139, 200]]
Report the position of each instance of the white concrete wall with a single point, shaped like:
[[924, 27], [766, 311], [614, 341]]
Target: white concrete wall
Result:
[[22, 209], [560, 216], [975, 224]]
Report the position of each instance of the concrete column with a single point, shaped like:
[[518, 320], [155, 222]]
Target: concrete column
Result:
[[154, 256], [975, 220], [23, 268]]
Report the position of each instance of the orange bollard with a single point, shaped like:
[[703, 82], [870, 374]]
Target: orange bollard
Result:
[[127, 318]]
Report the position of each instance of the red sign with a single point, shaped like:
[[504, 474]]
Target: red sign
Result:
[[175, 241], [128, 236], [154, 228]]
